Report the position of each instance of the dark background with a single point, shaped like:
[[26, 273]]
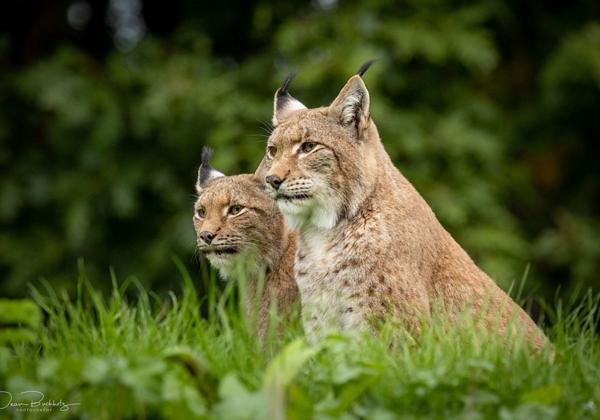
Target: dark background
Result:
[[491, 108]]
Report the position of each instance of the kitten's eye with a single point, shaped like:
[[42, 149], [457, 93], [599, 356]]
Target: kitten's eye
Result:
[[235, 209], [307, 146], [271, 151], [200, 212]]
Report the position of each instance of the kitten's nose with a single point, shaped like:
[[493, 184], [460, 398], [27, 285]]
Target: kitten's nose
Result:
[[274, 181], [207, 236]]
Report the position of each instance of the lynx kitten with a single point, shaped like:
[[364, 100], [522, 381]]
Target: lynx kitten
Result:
[[236, 222]]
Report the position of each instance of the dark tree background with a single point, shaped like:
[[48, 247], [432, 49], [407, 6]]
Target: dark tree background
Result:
[[491, 108]]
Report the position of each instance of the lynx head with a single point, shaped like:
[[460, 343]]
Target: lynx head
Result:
[[235, 220], [320, 163]]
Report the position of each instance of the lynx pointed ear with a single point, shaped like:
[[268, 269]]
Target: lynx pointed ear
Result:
[[285, 104], [206, 172], [352, 103]]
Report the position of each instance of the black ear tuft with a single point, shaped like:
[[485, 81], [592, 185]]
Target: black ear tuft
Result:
[[205, 168], [363, 69], [206, 155], [284, 89], [285, 104]]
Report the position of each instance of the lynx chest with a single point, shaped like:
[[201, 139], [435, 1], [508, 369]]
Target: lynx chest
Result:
[[328, 271]]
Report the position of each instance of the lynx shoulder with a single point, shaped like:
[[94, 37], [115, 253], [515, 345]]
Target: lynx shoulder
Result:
[[238, 225], [370, 248]]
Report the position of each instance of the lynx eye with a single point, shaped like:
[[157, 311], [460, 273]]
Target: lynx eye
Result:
[[200, 212], [235, 209], [271, 151], [307, 146]]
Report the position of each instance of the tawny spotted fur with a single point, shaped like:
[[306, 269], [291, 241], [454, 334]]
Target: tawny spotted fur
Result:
[[370, 248]]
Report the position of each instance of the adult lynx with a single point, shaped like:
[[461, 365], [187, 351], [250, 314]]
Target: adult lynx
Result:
[[370, 247], [236, 222]]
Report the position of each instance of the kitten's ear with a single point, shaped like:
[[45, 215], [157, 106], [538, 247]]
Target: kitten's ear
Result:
[[206, 172], [285, 104], [261, 171], [352, 103], [259, 182]]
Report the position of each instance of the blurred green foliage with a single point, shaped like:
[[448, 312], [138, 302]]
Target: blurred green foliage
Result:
[[19, 320], [99, 155]]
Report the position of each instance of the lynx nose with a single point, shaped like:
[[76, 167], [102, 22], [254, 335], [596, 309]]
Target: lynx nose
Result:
[[274, 181], [207, 236]]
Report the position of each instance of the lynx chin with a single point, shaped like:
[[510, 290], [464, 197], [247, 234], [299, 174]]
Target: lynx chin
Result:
[[239, 226], [370, 248]]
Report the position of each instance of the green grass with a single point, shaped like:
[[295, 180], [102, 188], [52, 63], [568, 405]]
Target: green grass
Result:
[[135, 355]]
